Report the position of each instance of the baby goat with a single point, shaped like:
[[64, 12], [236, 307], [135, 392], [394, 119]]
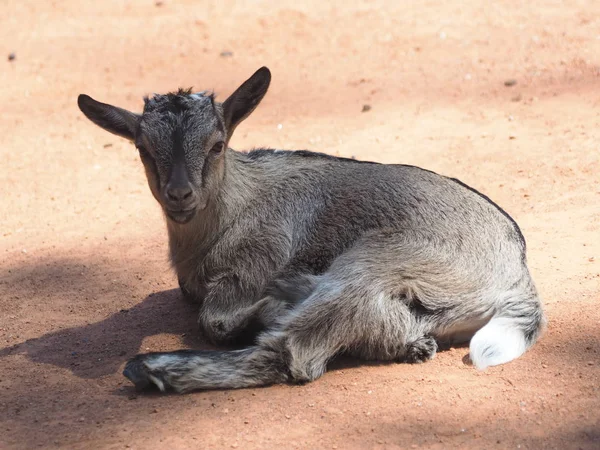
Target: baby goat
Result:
[[318, 255]]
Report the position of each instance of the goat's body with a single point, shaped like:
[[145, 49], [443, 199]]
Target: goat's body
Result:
[[334, 255], [317, 206]]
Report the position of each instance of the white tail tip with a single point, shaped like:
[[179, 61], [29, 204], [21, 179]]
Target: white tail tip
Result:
[[498, 342]]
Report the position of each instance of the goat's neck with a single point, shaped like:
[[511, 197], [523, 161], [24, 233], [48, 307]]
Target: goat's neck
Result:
[[239, 186]]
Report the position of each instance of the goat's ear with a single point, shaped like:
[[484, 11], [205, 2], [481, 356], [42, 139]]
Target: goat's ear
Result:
[[115, 120], [245, 99]]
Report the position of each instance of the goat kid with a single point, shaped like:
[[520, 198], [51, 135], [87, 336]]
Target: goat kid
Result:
[[318, 255]]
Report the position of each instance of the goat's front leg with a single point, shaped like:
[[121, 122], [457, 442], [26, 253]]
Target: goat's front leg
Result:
[[280, 296], [236, 306], [241, 325]]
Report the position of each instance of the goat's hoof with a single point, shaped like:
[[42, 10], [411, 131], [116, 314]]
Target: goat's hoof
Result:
[[141, 376], [421, 350]]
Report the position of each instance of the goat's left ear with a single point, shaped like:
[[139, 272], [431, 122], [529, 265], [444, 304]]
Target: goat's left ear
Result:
[[245, 99], [113, 119]]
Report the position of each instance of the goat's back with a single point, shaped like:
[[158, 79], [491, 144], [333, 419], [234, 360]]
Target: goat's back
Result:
[[329, 202]]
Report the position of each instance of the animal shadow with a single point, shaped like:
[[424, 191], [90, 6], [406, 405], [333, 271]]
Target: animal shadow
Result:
[[99, 349]]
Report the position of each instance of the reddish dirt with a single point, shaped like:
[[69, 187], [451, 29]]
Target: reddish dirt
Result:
[[84, 277]]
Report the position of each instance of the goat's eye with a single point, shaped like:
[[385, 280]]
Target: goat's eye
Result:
[[218, 148], [142, 150]]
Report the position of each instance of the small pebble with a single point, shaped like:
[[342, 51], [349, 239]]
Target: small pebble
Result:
[[12, 56], [366, 108], [226, 54], [510, 82], [159, 3]]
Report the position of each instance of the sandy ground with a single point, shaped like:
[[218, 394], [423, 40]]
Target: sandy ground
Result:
[[84, 277]]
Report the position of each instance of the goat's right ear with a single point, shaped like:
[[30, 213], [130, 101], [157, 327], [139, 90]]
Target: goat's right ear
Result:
[[114, 120], [245, 99]]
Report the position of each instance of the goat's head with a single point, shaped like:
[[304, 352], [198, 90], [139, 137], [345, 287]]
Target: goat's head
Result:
[[182, 138]]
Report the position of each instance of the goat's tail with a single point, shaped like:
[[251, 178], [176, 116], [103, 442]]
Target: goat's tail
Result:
[[512, 330], [188, 370]]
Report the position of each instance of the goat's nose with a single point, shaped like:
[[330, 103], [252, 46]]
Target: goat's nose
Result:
[[178, 194]]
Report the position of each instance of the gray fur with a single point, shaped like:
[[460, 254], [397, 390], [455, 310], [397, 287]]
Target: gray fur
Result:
[[325, 255]]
